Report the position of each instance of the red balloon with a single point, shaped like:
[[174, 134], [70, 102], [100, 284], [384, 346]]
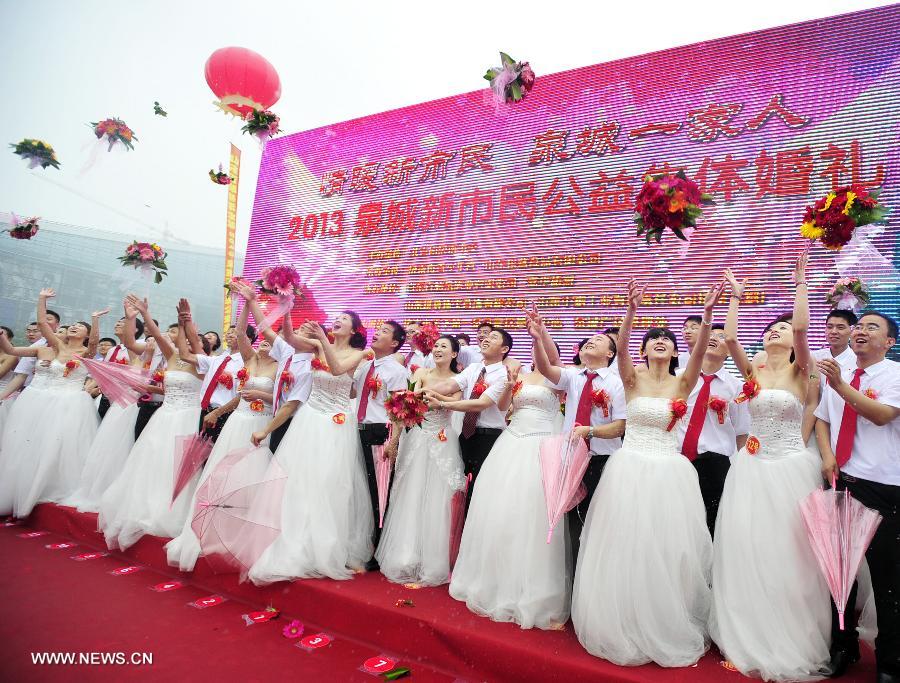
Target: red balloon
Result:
[[242, 79]]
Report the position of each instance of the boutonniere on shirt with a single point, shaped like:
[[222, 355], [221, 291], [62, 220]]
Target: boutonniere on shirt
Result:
[[242, 376], [286, 380], [227, 381], [600, 399], [70, 366], [369, 354], [413, 368], [318, 364], [678, 406], [257, 406], [871, 393], [374, 385], [719, 406], [479, 388], [158, 377], [750, 390]]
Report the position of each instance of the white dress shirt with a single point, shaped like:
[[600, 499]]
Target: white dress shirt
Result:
[[208, 366], [469, 355], [300, 367], [683, 358], [572, 381], [715, 437], [495, 379], [846, 358], [123, 353], [875, 455], [25, 366], [393, 378]]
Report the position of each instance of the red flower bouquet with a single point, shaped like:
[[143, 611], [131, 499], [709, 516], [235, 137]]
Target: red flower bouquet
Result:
[[833, 219], [147, 257], [600, 399], [406, 408], [220, 178], [425, 338], [242, 376], [678, 407], [115, 131], [668, 201], [23, 230], [750, 390], [719, 406]]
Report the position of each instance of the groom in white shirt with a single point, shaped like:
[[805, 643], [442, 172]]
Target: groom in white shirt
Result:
[[838, 327]]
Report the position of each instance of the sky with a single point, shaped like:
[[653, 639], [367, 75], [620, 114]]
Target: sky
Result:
[[70, 62]]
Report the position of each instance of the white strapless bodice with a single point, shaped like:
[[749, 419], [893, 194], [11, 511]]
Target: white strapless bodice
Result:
[[182, 389], [57, 379], [776, 416], [648, 418], [41, 377], [534, 411], [330, 394], [260, 384], [436, 419]]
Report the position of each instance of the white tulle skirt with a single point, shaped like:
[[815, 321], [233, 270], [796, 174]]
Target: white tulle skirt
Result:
[[506, 570], [415, 542], [48, 435], [642, 580], [184, 549], [106, 458], [326, 521], [9, 458], [140, 499], [771, 614]]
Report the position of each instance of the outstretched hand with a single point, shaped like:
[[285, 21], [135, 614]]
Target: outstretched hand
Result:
[[97, 314], [713, 296], [737, 288], [800, 266], [47, 293], [635, 294]]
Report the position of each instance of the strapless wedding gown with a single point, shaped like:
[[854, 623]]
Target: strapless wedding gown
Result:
[[506, 570], [326, 517], [642, 579], [183, 550], [415, 542], [771, 613]]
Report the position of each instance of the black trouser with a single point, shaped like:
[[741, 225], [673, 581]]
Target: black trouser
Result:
[[578, 514], [373, 434], [103, 407], [474, 451], [278, 434], [883, 557], [712, 469], [145, 412], [212, 432]]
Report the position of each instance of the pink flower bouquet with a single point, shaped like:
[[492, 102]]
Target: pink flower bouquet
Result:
[[146, 257]]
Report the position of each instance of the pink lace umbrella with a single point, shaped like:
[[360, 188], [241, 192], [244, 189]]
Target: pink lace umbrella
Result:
[[840, 529], [191, 451], [564, 459], [458, 519], [121, 384], [238, 510], [383, 467]]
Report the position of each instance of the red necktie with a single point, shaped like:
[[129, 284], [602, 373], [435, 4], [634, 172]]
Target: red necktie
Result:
[[364, 399], [848, 426], [213, 382], [115, 354], [698, 417], [470, 419], [408, 358], [585, 401]]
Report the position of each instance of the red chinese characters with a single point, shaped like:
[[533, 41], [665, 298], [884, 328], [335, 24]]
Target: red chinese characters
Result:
[[401, 215], [475, 157], [611, 194], [478, 205], [776, 107], [362, 178], [561, 202], [707, 123], [785, 174], [333, 183], [517, 201], [549, 147], [368, 219], [434, 165], [598, 140], [837, 168], [398, 171]]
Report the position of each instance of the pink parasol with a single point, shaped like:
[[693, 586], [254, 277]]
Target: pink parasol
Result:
[[121, 384], [191, 451], [383, 467], [238, 510], [458, 519], [840, 529], [564, 459]]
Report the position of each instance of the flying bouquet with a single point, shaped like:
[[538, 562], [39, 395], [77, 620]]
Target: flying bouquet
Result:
[[146, 257], [284, 282], [261, 123], [115, 131], [833, 219], [220, 178], [158, 110], [23, 229], [668, 201], [511, 81], [36, 153], [425, 338], [406, 407], [848, 294]]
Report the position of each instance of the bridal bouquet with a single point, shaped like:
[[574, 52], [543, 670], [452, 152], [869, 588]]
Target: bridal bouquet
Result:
[[281, 280], [668, 201], [23, 230], [849, 294], [36, 153], [115, 131], [511, 81], [146, 257], [406, 407], [220, 178], [261, 123], [425, 338], [833, 219]]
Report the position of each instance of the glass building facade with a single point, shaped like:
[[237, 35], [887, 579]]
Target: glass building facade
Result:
[[80, 264]]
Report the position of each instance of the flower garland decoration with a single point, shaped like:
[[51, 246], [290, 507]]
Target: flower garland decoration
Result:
[[293, 630], [425, 337], [406, 407], [261, 123], [668, 201], [115, 131], [848, 294], [719, 406], [374, 385], [749, 391], [71, 366], [318, 364], [220, 178], [752, 445], [36, 153], [257, 406], [147, 257], [679, 407], [600, 399], [833, 219], [159, 111], [242, 376], [23, 229], [511, 81]]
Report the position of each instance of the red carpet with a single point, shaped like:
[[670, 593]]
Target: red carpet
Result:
[[52, 603]]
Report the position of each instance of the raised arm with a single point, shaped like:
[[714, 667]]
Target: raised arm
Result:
[[240, 330], [248, 294], [190, 329], [46, 330], [336, 365], [128, 338], [534, 316], [94, 337], [623, 356], [731, 325], [867, 407], [695, 364], [544, 365], [162, 340], [17, 351], [800, 318]]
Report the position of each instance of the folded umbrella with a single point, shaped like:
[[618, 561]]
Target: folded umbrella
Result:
[[121, 384], [191, 451], [564, 460]]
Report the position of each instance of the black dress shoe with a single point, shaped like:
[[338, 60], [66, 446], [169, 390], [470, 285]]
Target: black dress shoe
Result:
[[372, 565], [885, 677], [841, 659]]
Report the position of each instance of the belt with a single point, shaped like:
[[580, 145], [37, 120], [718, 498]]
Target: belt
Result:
[[487, 430], [367, 426]]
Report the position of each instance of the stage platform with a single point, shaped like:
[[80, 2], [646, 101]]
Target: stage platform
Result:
[[435, 630]]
